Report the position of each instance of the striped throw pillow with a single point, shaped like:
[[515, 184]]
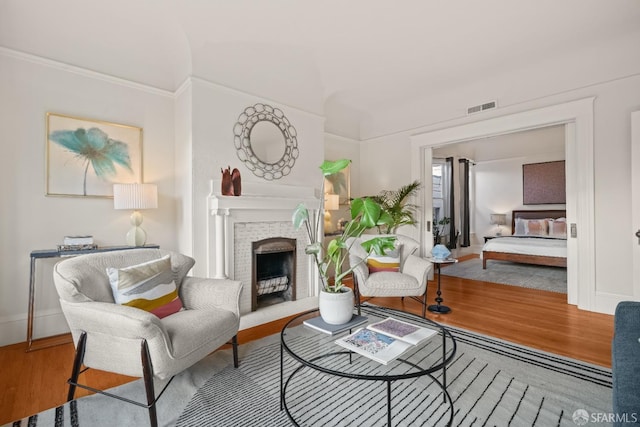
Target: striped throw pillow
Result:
[[390, 261], [148, 286]]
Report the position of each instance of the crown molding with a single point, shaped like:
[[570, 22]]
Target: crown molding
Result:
[[245, 93], [347, 139], [84, 72], [185, 85]]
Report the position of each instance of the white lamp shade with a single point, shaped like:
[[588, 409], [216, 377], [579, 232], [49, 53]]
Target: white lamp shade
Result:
[[498, 219], [135, 196], [331, 202]]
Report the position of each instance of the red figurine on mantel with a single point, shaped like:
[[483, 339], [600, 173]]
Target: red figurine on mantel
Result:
[[231, 182], [236, 181]]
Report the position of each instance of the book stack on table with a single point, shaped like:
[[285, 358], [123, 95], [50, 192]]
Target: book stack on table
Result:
[[320, 325], [77, 243]]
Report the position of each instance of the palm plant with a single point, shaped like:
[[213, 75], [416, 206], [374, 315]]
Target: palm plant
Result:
[[95, 148], [365, 214], [395, 204]]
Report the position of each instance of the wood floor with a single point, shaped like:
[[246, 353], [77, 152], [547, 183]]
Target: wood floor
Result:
[[34, 381]]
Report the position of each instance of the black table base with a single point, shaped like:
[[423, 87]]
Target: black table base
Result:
[[438, 307], [441, 309]]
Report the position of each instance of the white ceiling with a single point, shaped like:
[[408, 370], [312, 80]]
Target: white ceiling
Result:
[[345, 60]]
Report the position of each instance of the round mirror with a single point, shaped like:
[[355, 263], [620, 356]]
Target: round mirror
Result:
[[265, 141]]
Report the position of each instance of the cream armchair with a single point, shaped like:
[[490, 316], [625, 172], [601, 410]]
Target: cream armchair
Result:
[[130, 341], [410, 281]]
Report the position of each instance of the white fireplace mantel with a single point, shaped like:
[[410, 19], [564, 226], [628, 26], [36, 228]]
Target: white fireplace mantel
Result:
[[259, 202], [263, 196], [218, 203]]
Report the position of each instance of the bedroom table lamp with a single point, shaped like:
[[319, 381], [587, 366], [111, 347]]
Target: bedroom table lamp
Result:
[[499, 220], [136, 197]]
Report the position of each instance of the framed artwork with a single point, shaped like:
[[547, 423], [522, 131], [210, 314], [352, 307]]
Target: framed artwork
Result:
[[340, 184], [544, 183], [86, 157]]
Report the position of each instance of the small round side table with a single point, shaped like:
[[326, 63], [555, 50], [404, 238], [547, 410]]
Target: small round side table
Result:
[[438, 307]]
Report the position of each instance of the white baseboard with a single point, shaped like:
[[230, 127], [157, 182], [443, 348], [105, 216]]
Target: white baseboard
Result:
[[277, 311], [606, 302], [46, 323]]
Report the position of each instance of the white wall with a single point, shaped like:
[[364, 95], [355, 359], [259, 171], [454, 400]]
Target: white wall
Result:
[[215, 111], [182, 168], [338, 147], [386, 165], [29, 220]]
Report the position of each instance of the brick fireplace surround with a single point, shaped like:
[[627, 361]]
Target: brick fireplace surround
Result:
[[263, 211]]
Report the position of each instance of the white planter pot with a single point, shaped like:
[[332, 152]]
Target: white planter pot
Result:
[[336, 308]]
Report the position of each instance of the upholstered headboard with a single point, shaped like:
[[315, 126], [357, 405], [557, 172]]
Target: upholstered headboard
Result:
[[535, 214]]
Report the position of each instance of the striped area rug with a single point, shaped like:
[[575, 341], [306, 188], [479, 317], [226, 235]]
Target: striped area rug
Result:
[[491, 382]]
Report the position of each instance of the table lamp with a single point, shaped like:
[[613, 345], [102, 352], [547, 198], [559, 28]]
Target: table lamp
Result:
[[136, 197], [499, 220], [331, 203]]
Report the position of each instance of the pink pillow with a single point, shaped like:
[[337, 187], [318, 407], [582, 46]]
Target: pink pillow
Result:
[[536, 227], [558, 229]]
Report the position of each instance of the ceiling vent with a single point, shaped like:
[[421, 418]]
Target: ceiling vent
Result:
[[482, 107]]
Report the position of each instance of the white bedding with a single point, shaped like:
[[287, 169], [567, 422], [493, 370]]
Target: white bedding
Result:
[[527, 246]]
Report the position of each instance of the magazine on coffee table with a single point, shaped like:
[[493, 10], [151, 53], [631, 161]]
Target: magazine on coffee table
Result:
[[374, 345], [404, 331], [387, 342]]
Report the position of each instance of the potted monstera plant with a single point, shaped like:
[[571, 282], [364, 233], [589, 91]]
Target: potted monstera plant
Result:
[[336, 299]]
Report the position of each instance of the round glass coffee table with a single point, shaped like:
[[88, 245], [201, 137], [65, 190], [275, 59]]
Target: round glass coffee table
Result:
[[323, 383]]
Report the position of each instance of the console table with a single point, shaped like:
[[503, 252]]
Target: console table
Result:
[[54, 253]]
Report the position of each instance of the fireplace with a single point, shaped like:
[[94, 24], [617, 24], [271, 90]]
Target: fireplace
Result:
[[273, 276], [261, 214]]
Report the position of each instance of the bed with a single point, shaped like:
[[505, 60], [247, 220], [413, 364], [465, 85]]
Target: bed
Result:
[[538, 237]]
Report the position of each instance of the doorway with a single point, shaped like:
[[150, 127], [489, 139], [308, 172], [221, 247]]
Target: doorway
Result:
[[577, 116], [495, 181]]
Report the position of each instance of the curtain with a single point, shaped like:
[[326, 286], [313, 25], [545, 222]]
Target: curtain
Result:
[[465, 210], [452, 203]]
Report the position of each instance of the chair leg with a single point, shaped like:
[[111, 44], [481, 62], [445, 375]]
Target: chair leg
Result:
[[234, 343], [356, 293], [424, 301], [147, 370], [424, 305], [77, 364]]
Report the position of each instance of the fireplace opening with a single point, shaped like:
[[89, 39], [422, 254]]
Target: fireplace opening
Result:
[[273, 275]]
